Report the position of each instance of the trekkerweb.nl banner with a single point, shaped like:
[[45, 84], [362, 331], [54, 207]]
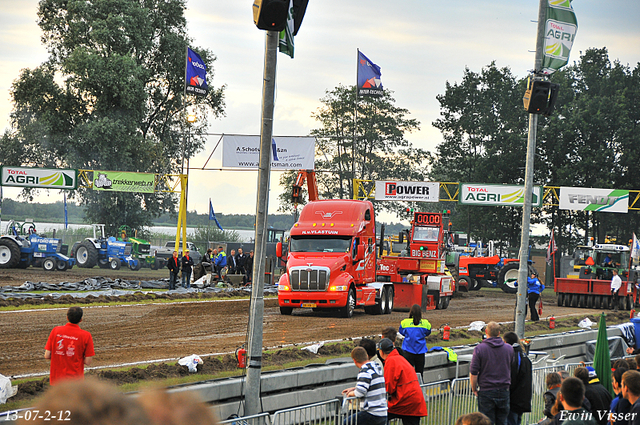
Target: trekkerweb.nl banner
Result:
[[119, 181], [287, 153]]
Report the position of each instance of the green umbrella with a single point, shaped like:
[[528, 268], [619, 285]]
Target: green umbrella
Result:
[[602, 360]]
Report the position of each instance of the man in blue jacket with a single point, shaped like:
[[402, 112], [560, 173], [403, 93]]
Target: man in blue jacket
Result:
[[490, 375], [534, 291], [221, 261]]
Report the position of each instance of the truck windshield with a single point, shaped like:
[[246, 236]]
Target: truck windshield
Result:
[[426, 233], [320, 244]]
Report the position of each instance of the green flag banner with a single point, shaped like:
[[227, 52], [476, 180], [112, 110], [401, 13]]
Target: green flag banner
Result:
[[602, 358], [118, 181], [285, 45], [560, 31]]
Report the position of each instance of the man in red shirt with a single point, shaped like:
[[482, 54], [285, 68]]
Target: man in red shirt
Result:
[[406, 400], [69, 349]]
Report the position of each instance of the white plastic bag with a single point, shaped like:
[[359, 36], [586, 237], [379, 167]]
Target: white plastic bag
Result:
[[477, 325], [191, 362], [313, 348], [6, 389], [585, 323]]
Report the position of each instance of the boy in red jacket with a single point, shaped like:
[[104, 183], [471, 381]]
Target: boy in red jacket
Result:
[[406, 400]]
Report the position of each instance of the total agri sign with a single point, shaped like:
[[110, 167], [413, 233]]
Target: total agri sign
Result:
[[589, 199], [497, 194], [47, 178]]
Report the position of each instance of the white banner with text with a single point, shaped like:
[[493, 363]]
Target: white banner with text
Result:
[[393, 190], [287, 153]]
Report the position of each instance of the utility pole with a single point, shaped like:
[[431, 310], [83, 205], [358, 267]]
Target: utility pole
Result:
[[523, 272], [253, 403]]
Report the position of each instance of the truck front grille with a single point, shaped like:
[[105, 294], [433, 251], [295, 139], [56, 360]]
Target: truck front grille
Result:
[[309, 278]]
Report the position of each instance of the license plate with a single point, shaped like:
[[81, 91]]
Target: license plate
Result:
[[309, 305]]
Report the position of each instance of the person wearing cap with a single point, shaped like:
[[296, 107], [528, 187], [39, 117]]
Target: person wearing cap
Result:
[[599, 397], [534, 292], [187, 264], [405, 398], [221, 261]]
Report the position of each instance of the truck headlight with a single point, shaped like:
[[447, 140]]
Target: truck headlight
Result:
[[283, 288], [338, 288]]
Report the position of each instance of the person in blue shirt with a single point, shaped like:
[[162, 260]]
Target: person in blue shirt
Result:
[[220, 262], [534, 290], [415, 330]]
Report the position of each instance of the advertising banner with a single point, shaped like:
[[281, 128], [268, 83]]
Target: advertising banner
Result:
[[392, 190], [47, 178], [369, 82], [589, 199], [560, 31], [287, 153], [497, 194], [196, 74], [121, 181]]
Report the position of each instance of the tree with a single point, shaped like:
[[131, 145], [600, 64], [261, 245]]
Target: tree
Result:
[[382, 152], [110, 97]]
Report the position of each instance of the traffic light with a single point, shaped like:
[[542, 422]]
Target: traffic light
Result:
[[270, 15], [540, 97]]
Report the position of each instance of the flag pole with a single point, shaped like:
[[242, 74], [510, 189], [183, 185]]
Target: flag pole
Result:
[[355, 132]]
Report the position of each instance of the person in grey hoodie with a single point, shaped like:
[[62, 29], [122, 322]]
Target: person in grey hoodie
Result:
[[490, 375]]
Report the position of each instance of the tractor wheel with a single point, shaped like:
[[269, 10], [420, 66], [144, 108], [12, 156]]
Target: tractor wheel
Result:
[[389, 307], [49, 264], [560, 299], [507, 277], [9, 254], [475, 285], [86, 255], [286, 311], [137, 266], [61, 265], [445, 303], [115, 264], [347, 311], [465, 283]]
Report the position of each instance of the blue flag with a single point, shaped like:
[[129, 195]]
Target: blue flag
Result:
[[369, 83], [212, 216], [196, 75]]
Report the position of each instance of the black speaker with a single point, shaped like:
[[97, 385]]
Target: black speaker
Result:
[[270, 15]]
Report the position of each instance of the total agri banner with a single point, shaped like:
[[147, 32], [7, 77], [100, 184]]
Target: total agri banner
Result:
[[47, 178], [121, 181], [497, 194], [407, 191], [287, 153], [589, 199]]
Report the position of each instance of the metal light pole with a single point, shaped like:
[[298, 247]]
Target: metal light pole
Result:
[[254, 364], [523, 272]]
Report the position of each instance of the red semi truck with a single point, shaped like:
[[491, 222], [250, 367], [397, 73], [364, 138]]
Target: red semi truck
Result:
[[332, 264]]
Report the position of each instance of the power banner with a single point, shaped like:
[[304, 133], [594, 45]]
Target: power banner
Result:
[[287, 153], [46, 178], [589, 199], [407, 191], [119, 181], [560, 31], [497, 194]]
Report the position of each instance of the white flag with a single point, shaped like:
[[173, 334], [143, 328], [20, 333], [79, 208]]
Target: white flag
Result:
[[635, 248]]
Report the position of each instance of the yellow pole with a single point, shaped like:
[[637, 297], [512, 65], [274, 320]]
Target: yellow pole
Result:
[[182, 215]]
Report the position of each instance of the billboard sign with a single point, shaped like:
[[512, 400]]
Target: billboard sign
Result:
[[589, 199], [393, 190], [497, 194], [287, 153], [46, 178], [120, 181]]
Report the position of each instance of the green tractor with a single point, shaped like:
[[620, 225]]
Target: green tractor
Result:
[[141, 249]]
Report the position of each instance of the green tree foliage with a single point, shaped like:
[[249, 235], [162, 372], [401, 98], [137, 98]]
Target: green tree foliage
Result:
[[382, 152], [591, 140], [110, 97]]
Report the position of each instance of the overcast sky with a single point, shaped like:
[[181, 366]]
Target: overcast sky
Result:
[[419, 45]]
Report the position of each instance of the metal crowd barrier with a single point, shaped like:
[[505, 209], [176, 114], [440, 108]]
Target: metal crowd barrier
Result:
[[259, 419], [323, 413]]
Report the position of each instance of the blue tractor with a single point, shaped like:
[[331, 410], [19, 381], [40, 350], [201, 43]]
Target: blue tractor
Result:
[[22, 247], [103, 251]]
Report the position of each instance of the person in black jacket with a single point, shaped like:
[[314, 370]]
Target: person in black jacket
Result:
[[521, 390], [174, 267], [248, 267], [599, 397], [187, 263], [241, 258], [232, 263]]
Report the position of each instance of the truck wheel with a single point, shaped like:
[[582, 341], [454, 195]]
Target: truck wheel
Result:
[[61, 265], [380, 307], [9, 254], [347, 310], [49, 264], [286, 311], [560, 299], [507, 277], [567, 300], [445, 303], [574, 300], [597, 300], [589, 301], [86, 255], [439, 302], [115, 264], [582, 301], [389, 307]]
